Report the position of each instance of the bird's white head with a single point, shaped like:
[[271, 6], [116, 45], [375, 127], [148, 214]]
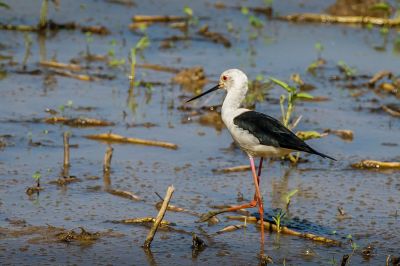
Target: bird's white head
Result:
[[233, 79]]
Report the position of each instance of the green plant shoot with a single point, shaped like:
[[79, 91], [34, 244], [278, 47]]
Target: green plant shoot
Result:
[[43, 14], [277, 219], [143, 43], [37, 175], [288, 197]]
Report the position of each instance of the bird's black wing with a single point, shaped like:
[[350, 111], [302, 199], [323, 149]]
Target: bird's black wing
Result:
[[271, 132]]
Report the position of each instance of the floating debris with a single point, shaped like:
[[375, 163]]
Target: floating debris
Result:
[[367, 252], [191, 79], [110, 137], [62, 181], [32, 190], [82, 237], [344, 134], [371, 164], [198, 245], [214, 36], [212, 119], [78, 122], [306, 135], [365, 8]]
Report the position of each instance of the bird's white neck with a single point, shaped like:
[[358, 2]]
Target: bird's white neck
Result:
[[233, 99]]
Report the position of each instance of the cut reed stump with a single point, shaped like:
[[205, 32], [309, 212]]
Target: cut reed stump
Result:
[[107, 159], [159, 218], [66, 163]]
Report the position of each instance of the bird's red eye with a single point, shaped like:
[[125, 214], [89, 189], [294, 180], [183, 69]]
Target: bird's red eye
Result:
[[224, 78]]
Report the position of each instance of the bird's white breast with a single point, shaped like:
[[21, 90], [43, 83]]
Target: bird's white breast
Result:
[[247, 141]]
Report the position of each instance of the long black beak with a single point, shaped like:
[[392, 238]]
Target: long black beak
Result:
[[204, 93]]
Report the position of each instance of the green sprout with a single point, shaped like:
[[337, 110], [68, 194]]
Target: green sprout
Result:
[[192, 20], [253, 20], [43, 14], [61, 108], [89, 40], [291, 98], [277, 219], [188, 11], [288, 197], [244, 10], [354, 247], [319, 48], [114, 62], [142, 44], [70, 103], [293, 95], [37, 175], [348, 71]]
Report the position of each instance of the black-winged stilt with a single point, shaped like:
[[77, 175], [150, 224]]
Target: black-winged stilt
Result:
[[257, 134]]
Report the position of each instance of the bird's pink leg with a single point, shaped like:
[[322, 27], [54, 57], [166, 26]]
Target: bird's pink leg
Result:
[[251, 204], [258, 175], [259, 200]]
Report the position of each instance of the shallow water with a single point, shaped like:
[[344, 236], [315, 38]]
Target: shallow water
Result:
[[369, 198]]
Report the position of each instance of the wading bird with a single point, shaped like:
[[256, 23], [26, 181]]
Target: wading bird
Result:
[[257, 134]]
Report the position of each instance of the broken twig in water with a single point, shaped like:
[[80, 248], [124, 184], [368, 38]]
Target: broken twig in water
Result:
[[78, 122], [230, 228], [66, 151], [69, 74], [378, 76], [239, 168], [325, 18], [141, 220], [371, 164], [285, 230], [107, 159], [123, 194], [147, 18], [392, 110], [55, 64], [110, 137], [159, 218]]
